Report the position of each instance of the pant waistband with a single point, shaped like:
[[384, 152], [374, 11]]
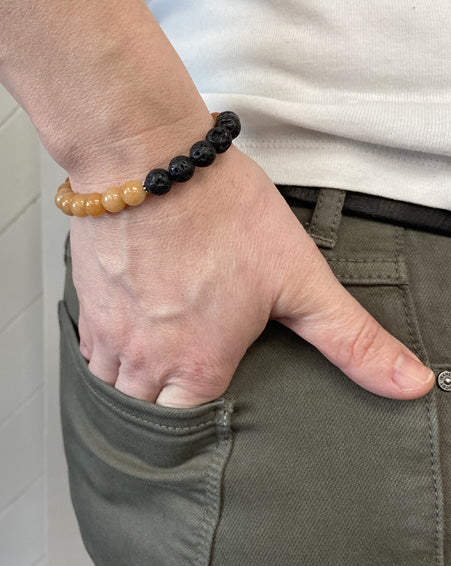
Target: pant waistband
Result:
[[403, 213]]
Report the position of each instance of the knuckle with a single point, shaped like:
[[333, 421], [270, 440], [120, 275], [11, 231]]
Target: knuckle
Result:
[[196, 368], [136, 359], [106, 333], [200, 376], [365, 346]]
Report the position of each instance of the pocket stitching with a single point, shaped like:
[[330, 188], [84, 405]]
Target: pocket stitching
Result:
[[362, 260], [175, 428], [213, 489]]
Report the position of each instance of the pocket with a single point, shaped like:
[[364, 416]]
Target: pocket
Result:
[[145, 480]]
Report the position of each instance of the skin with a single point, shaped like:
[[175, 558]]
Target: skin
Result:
[[174, 291]]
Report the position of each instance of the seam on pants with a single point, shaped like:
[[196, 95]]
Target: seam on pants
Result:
[[429, 403], [213, 484], [360, 260], [366, 270], [136, 418]]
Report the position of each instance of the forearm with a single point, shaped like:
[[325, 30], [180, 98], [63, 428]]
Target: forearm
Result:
[[102, 84]]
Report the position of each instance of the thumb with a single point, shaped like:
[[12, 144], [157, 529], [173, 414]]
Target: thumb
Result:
[[319, 309]]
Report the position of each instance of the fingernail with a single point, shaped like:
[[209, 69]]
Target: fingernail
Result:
[[409, 373]]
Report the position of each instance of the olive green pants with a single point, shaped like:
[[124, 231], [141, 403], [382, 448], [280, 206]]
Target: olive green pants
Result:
[[295, 464]]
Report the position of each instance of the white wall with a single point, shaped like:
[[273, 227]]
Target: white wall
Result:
[[22, 463], [65, 547], [37, 523]]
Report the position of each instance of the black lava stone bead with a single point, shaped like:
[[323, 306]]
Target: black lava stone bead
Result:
[[202, 153], [157, 182], [229, 121], [220, 138], [181, 168]]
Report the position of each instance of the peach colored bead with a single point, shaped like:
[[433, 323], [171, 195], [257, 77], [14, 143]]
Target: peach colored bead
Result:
[[66, 203], [60, 196], [64, 186], [112, 199], [94, 206], [133, 193], [78, 205]]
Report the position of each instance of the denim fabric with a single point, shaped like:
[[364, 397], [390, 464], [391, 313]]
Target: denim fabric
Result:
[[295, 464]]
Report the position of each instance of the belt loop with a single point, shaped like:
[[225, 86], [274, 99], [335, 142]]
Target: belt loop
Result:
[[326, 217]]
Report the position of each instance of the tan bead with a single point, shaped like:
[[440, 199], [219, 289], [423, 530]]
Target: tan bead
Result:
[[78, 205], [215, 115], [94, 206], [60, 196], [133, 193], [64, 186], [66, 203], [112, 199]]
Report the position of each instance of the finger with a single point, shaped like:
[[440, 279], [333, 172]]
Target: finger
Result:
[[182, 395], [137, 383], [181, 388], [318, 308], [176, 396], [104, 366]]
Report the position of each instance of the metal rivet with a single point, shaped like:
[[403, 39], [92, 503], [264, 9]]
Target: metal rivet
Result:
[[444, 380]]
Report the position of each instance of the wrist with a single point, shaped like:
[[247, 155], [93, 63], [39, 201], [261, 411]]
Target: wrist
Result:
[[224, 127], [183, 209], [133, 156]]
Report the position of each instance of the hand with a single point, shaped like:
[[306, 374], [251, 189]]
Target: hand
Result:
[[174, 291]]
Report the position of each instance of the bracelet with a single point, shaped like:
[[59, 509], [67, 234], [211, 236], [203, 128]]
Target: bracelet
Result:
[[158, 181]]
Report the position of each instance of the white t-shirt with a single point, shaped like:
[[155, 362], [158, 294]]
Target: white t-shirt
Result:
[[350, 94]]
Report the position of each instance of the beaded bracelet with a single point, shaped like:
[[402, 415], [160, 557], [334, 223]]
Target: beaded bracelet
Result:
[[158, 181]]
